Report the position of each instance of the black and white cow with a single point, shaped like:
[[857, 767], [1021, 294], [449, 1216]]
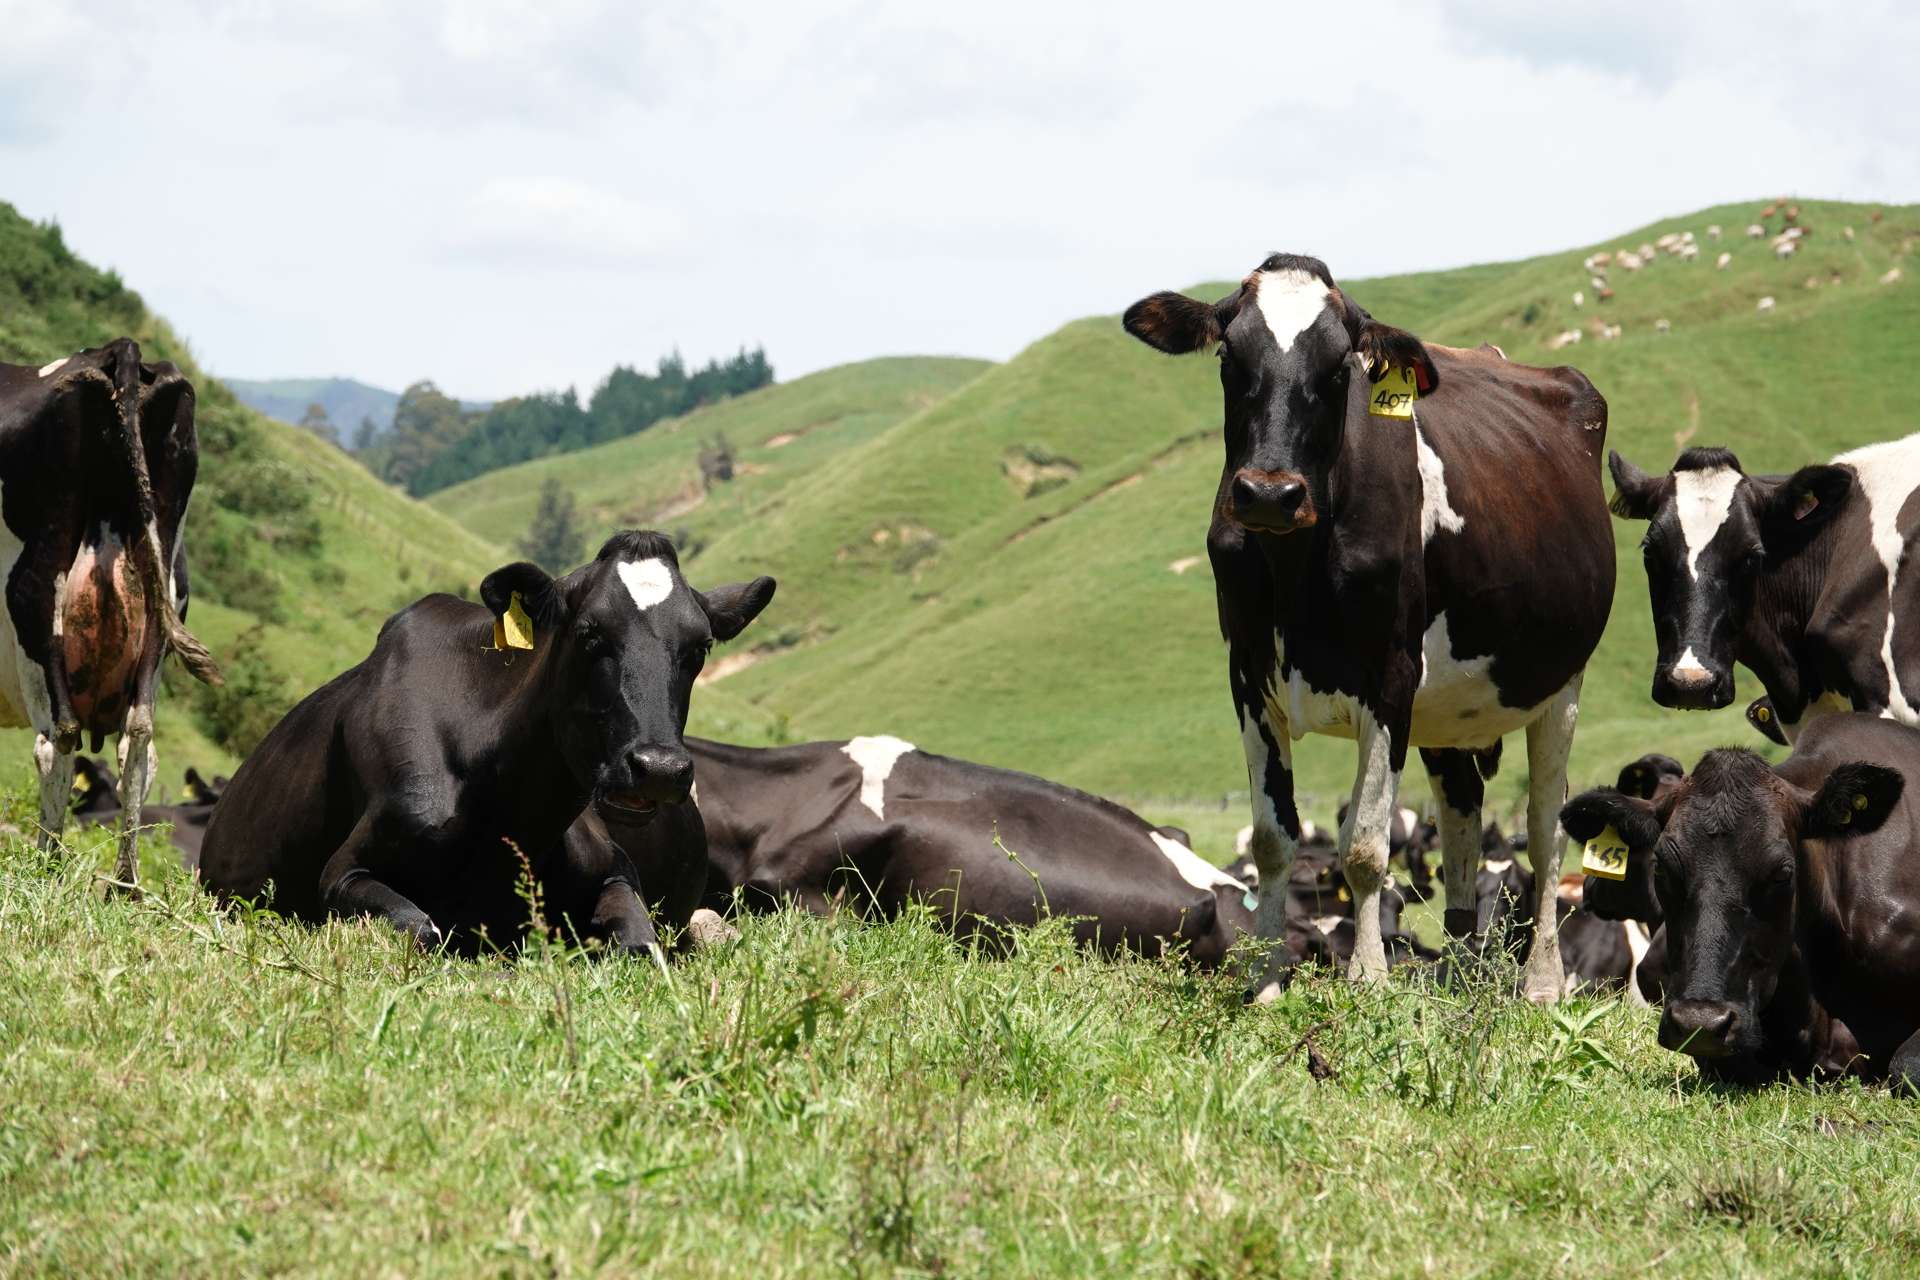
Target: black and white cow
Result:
[[97, 463], [1437, 579], [1807, 579], [410, 787], [877, 823], [96, 802], [1792, 901]]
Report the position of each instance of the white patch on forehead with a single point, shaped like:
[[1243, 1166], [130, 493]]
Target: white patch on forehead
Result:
[[1436, 509], [876, 757], [1703, 499], [47, 370], [1291, 301], [1193, 868], [647, 581], [1886, 475], [1690, 665]]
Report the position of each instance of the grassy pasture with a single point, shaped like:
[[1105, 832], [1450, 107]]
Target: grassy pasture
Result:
[[192, 1091]]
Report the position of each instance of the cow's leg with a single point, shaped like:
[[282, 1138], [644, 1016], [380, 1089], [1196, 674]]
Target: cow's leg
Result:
[[622, 919], [1276, 837], [1364, 843], [1459, 793], [1549, 739], [348, 887], [1903, 1069], [54, 768], [137, 760]]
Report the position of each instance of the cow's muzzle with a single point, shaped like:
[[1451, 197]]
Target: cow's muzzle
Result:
[[1700, 1028], [1272, 501], [656, 775], [1692, 685]]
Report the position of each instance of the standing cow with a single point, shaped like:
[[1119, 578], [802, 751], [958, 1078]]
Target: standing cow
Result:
[[1808, 579], [97, 461], [1410, 547]]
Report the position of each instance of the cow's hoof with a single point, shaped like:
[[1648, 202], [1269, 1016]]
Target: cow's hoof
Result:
[[1266, 993], [707, 929], [1543, 988]]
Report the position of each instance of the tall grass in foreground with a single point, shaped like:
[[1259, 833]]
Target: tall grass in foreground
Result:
[[188, 1089]]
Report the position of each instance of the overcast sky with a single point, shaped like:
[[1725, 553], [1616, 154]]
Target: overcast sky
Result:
[[505, 196]]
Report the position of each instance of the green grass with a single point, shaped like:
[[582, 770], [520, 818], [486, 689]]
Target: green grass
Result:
[[193, 1090], [1049, 633]]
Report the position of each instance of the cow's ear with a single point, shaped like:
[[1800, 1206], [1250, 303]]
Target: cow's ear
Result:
[[1173, 323], [1766, 721], [731, 608], [1801, 503], [1591, 812], [1383, 347], [1856, 798], [535, 587], [1635, 493]]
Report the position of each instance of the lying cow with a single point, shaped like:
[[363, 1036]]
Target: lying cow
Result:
[[1599, 955], [411, 787], [97, 803], [1807, 579], [97, 461], [1792, 902], [877, 823], [1320, 913]]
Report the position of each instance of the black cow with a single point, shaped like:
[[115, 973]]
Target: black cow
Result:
[[1410, 547], [402, 788], [96, 802], [878, 823], [1807, 579], [97, 462], [1792, 902]]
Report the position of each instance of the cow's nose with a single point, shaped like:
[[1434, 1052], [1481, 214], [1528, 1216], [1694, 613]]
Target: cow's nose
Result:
[[1691, 685], [1702, 1028], [663, 775], [1268, 500]]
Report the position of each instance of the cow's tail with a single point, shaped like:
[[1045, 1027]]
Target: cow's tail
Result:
[[151, 558]]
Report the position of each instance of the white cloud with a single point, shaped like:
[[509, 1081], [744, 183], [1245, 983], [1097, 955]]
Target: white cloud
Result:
[[503, 195]]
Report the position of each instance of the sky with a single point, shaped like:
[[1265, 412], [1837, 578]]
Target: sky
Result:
[[505, 197]]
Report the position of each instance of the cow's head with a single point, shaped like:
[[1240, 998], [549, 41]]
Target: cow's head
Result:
[[1290, 345], [625, 637], [1727, 869], [1711, 530]]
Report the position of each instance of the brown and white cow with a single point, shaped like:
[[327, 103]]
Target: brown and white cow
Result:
[[1410, 547], [97, 462], [1807, 579]]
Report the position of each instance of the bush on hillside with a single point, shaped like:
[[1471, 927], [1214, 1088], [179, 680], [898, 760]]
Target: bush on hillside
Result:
[[554, 539], [238, 714]]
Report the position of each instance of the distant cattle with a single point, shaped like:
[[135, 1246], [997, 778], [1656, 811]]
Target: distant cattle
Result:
[[1765, 305], [481, 743], [97, 463], [1808, 579], [1410, 548], [97, 802], [1720, 263], [1598, 955], [1792, 902], [875, 823], [1755, 231]]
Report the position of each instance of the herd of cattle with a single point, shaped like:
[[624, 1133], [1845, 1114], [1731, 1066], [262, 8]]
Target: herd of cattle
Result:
[[1412, 549]]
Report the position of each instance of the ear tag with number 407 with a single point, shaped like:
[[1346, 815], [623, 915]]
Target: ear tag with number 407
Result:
[[513, 629], [1605, 856], [1393, 395]]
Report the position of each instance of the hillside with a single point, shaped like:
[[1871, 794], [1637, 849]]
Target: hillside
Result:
[[778, 433], [1053, 632], [286, 534]]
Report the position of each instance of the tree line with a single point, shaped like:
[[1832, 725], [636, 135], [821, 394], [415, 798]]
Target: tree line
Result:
[[436, 443]]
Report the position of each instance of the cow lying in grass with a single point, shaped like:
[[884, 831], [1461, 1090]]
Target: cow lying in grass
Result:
[[875, 823], [410, 787], [97, 803], [1791, 895]]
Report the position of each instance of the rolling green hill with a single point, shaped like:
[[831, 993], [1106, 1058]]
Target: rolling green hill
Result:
[[933, 598]]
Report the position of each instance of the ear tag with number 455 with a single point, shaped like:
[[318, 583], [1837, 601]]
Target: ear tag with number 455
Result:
[[1605, 856], [1393, 395]]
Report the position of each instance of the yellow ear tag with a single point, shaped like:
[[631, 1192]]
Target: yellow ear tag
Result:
[[1762, 714], [1860, 803], [1606, 856], [1343, 895], [1393, 395], [513, 629], [82, 783]]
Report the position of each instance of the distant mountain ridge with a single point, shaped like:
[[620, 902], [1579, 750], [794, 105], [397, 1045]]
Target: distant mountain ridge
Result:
[[346, 400]]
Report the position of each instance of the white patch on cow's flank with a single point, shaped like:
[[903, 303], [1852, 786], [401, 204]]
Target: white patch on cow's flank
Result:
[[1436, 510], [876, 756], [1290, 301], [1193, 868], [48, 370], [1887, 475], [1638, 940], [1703, 499], [647, 581]]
